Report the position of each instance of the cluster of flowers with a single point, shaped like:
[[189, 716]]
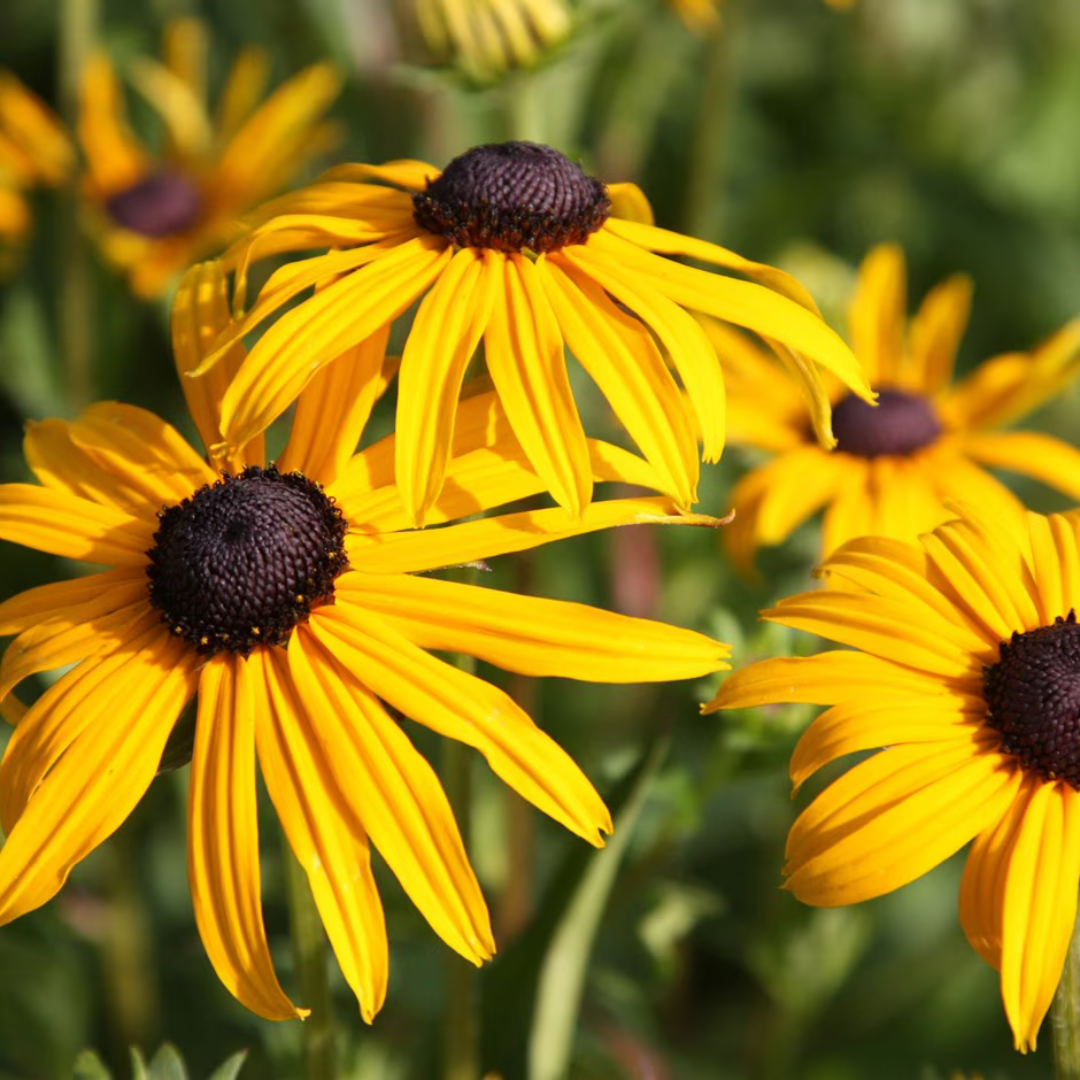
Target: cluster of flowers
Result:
[[295, 602]]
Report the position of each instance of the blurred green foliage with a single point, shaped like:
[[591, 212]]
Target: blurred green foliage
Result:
[[796, 135]]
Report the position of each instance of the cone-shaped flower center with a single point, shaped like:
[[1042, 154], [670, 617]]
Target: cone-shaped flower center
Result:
[[162, 204], [512, 196], [244, 560], [901, 423], [1033, 698]]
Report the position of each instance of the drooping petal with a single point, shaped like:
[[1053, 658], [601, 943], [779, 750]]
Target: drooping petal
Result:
[[333, 320], [200, 313], [333, 410], [94, 785], [386, 786], [223, 841], [64, 524], [524, 350], [532, 635], [679, 333], [829, 678], [430, 549], [1039, 906], [624, 362], [890, 819], [463, 707], [444, 336], [332, 850]]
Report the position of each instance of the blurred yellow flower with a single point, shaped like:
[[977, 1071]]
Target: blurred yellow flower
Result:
[[34, 150], [698, 15], [927, 441], [488, 37], [514, 245], [966, 680], [298, 605], [155, 212]]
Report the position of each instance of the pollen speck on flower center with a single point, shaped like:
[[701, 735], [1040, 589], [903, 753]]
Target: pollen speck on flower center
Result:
[[513, 196], [1033, 699], [241, 562], [162, 204], [899, 424]]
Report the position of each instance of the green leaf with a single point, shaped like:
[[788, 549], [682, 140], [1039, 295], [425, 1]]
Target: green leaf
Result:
[[231, 1068], [138, 1065], [167, 1064], [88, 1066]]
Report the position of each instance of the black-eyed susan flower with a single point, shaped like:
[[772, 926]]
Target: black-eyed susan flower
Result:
[[288, 600], [928, 441], [155, 211], [515, 246], [486, 38], [34, 151], [967, 673]]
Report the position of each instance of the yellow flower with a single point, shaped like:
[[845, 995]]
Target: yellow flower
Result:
[[927, 441], [290, 601], [155, 213], [968, 675], [34, 150], [515, 245], [488, 37], [698, 15]]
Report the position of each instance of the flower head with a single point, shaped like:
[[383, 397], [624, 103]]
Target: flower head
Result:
[[928, 441], [486, 38], [34, 150], [155, 213], [967, 674], [288, 599], [514, 245]]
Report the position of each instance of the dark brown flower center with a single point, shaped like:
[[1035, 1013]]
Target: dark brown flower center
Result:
[[1033, 698], [163, 204], [511, 197], [242, 561], [900, 424]]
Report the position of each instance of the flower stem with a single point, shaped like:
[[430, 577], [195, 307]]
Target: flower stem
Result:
[[1065, 1014], [461, 1048], [310, 947]]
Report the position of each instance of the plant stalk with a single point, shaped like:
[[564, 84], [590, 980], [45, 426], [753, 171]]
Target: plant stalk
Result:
[[1065, 1014]]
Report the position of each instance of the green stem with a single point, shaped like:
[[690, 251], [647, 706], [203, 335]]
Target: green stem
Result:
[[78, 19], [461, 1047], [309, 943], [1065, 1015]]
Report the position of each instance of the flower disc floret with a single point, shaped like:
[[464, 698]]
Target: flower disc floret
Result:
[[162, 204], [244, 560], [900, 424], [1033, 699], [513, 196]]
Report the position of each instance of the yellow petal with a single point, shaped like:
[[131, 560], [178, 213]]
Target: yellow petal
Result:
[[467, 542], [333, 410], [524, 350], [395, 796], [629, 202], [114, 157], [332, 850], [681, 336], [244, 88], [878, 313], [1066, 532], [887, 627], [182, 112], [895, 816], [200, 313], [532, 635], [322, 328], [858, 724], [95, 785], [623, 361], [463, 707], [63, 524], [444, 336], [1030, 453], [27, 608], [829, 679], [935, 332], [223, 841]]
